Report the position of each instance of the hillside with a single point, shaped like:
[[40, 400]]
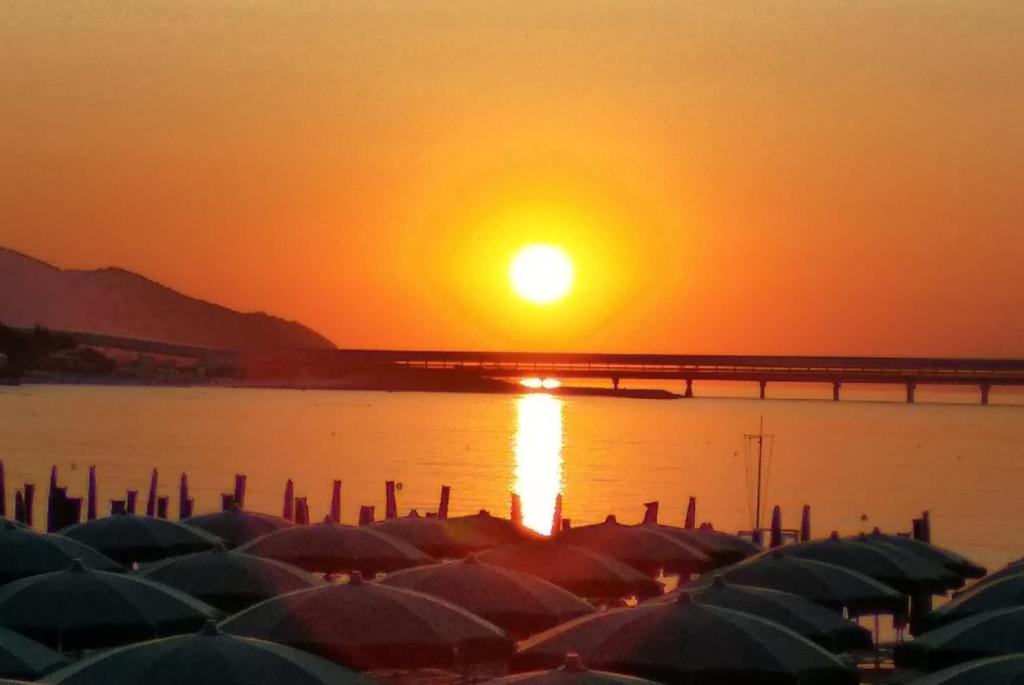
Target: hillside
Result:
[[117, 302]]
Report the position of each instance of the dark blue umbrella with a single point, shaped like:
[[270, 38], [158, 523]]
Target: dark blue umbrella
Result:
[[128, 538], [1000, 670], [994, 633], [21, 657], [237, 527], [572, 672], [643, 547]]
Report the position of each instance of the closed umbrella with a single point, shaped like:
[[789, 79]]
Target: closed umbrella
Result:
[[23, 658], [687, 643], [207, 658], [956, 563], [580, 571], [431, 536], [237, 527], [818, 624], [885, 563], [994, 633], [229, 580], [330, 547], [483, 531], [128, 538], [24, 552], [517, 602], [1004, 593], [642, 547], [81, 608], [834, 587], [572, 672], [1000, 670], [372, 626]]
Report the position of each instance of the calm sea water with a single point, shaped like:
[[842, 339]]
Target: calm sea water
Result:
[[858, 464]]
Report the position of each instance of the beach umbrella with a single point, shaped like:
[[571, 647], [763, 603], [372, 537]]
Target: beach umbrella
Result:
[[885, 563], [687, 643], [331, 547], [207, 658], [81, 608], [642, 547], [237, 527], [994, 633], [1007, 571], [483, 531], [21, 657], [818, 624], [1000, 670], [368, 626], [24, 552], [517, 602], [431, 536], [17, 524], [722, 548], [1004, 593], [572, 672], [229, 580], [827, 585], [580, 571], [128, 538], [958, 564]]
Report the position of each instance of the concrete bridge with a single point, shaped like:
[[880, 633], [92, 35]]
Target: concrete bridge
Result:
[[909, 372]]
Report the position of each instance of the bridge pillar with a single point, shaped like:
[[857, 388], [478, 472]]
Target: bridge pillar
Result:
[[615, 382], [835, 390], [985, 388], [911, 387], [689, 388], [763, 384]]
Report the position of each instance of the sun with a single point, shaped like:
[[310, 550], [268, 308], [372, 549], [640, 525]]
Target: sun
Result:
[[541, 273]]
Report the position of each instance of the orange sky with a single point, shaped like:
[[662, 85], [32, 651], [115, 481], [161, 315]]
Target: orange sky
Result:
[[778, 177]]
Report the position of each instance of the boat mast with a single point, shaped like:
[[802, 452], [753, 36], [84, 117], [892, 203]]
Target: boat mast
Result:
[[760, 457]]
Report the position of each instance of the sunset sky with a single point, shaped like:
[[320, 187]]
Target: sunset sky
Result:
[[727, 177]]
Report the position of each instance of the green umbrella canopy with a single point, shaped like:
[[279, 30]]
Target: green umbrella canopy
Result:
[[370, 626], [128, 538], [572, 672], [330, 547], [24, 552], [21, 657], [885, 563], [831, 586], [582, 572], [994, 633], [430, 535], [1008, 570], [958, 564], [642, 547], [1004, 593], [483, 531], [722, 548], [687, 643], [1000, 670], [229, 580], [81, 608], [517, 602], [818, 624], [207, 658], [237, 527]]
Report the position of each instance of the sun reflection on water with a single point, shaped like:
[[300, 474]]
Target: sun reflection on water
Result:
[[538, 451]]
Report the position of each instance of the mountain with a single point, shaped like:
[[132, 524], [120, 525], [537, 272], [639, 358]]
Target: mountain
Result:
[[117, 302]]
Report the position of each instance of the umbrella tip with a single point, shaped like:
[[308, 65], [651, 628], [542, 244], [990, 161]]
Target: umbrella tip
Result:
[[834, 535], [210, 628], [610, 518], [573, 663], [413, 514], [77, 565], [777, 554], [328, 520], [684, 598], [9, 525], [356, 578], [471, 558], [220, 547], [718, 581]]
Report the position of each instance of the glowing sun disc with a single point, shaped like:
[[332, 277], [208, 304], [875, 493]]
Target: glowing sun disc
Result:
[[541, 273]]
